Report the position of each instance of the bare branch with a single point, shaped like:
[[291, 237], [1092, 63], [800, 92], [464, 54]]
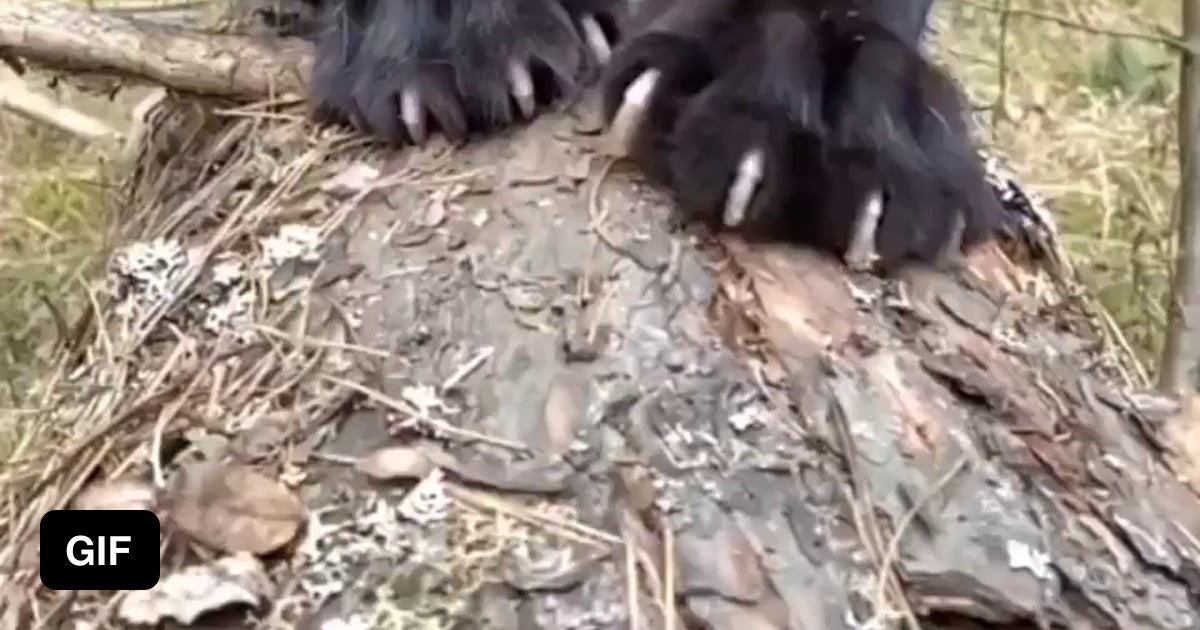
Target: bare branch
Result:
[[61, 37]]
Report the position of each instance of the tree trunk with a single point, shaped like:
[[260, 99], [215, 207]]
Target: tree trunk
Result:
[[637, 427]]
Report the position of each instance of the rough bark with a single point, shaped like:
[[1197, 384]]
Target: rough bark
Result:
[[762, 434], [1024, 484]]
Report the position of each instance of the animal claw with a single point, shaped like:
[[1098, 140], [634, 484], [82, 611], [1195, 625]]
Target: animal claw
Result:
[[357, 121], [952, 249], [521, 84], [861, 254], [745, 184], [412, 113], [595, 38], [634, 103]]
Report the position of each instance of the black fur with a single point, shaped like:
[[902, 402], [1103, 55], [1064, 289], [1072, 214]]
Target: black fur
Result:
[[838, 101], [834, 93], [455, 53]]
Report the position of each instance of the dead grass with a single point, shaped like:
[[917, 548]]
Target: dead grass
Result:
[[53, 224], [1087, 118]]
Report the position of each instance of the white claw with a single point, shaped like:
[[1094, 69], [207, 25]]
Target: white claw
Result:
[[745, 184], [951, 250], [412, 113], [594, 36], [634, 104], [861, 254], [521, 85]]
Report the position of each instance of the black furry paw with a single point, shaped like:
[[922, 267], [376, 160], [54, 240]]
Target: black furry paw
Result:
[[748, 152], [804, 123], [676, 53], [393, 67], [908, 119]]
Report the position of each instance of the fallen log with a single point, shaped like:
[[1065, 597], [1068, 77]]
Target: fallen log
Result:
[[64, 38], [615, 424]]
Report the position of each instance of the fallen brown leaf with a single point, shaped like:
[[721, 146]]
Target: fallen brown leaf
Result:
[[235, 508]]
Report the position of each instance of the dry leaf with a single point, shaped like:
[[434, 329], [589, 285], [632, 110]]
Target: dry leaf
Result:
[[396, 462], [117, 494], [199, 589], [235, 508]]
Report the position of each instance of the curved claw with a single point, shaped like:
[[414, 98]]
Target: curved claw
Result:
[[745, 183], [413, 114], [521, 85], [634, 104], [861, 254], [595, 38], [952, 249], [357, 121]]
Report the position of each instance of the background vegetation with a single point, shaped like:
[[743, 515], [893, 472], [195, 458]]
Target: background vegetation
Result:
[[54, 221], [1081, 98]]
